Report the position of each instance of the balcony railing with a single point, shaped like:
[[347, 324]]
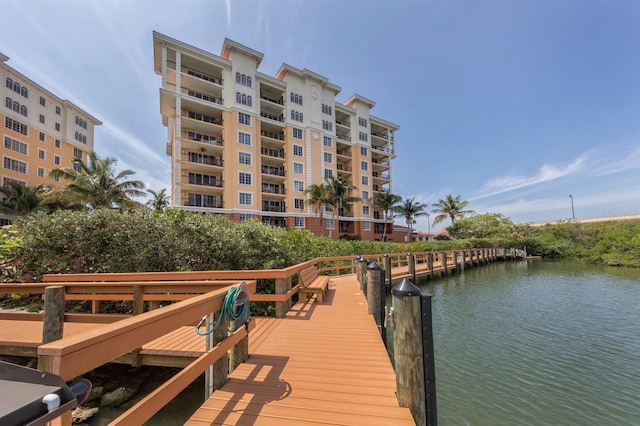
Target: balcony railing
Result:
[[344, 137], [203, 117], [272, 135], [343, 123], [343, 153], [380, 135], [203, 76], [346, 228], [344, 168], [274, 100], [218, 183], [380, 148], [208, 160], [277, 153], [345, 213], [216, 204], [272, 117], [273, 189], [274, 171], [202, 96], [380, 175], [273, 207], [381, 163], [200, 137]]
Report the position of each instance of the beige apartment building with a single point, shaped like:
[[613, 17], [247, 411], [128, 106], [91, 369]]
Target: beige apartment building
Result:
[[247, 145], [39, 132]]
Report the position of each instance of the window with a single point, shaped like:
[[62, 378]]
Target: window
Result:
[[244, 118], [328, 173], [297, 133], [366, 226], [299, 222], [326, 109], [327, 125], [243, 217], [80, 122], [77, 153], [200, 200], [364, 151], [326, 141], [206, 180], [297, 116], [58, 111], [15, 165], [41, 119], [295, 98], [365, 180], [243, 99], [56, 178], [245, 198], [243, 79], [328, 157], [57, 127], [364, 165], [298, 168], [6, 181], [328, 224], [297, 150], [15, 86], [362, 122], [42, 154], [365, 195], [24, 111], [16, 126], [298, 203], [43, 101], [57, 143], [244, 178], [244, 138], [42, 137], [365, 210], [41, 172], [298, 185], [8, 102], [364, 137], [327, 208], [15, 145], [56, 160], [244, 158]]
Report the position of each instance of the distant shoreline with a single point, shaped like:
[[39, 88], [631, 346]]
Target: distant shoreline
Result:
[[620, 218]]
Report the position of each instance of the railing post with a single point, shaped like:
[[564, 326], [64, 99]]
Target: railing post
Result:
[[375, 294], [430, 264], [411, 264], [283, 285], [53, 321], [462, 260], [218, 374], [240, 352], [363, 274], [413, 353], [138, 308], [454, 255], [443, 263]]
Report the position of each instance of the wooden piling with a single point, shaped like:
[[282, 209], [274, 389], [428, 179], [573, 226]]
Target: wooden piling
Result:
[[430, 264], [387, 269], [444, 263], [375, 294], [411, 264], [53, 321]]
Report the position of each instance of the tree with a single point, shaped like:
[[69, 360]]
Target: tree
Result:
[[386, 202], [96, 184], [410, 209], [159, 201], [20, 199], [338, 196], [483, 226], [318, 197], [450, 207]]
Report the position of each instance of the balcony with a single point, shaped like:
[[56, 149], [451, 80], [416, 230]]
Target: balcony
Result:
[[343, 123], [272, 189], [271, 99], [208, 160], [345, 213], [379, 135], [272, 171], [203, 138], [275, 153], [202, 200], [213, 183], [202, 96], [203, 76], [343, 153], [272, 135], [343, 137], [384, 176], [273, 206], [272, 117], [346, 228]]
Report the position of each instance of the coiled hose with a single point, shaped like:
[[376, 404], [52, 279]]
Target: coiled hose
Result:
[[235, 307]]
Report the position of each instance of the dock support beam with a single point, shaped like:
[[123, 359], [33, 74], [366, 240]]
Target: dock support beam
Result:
[[53, 321], [413, 358], [375, 295]]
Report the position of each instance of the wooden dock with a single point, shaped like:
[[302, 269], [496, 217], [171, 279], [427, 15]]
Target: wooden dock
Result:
[[321, 364]]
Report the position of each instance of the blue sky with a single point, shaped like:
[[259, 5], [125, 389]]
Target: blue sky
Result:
[[513, 105]]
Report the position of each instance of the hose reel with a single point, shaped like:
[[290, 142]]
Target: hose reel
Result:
[[235, 307]]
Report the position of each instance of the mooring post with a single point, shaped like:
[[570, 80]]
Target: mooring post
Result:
[[53, 321], [375, 294], [413, 352], [454, 255], [411, 264], [430, 264], [356, 269], [363, 274], [387, 271], [444, 263], [462, 260]]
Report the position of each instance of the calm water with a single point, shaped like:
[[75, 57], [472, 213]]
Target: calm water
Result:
[[537, 343]]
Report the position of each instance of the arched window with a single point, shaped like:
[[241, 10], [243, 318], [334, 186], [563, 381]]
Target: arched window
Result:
[[238, 97], [9, 83], [16, 87], [249, 102], [8, 102], [24, 92], [248, 81], [84, 139], [16, 106], [23, 110], [238, 78]]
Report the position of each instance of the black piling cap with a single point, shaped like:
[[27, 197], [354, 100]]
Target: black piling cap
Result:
[[405, 288], [373, 266]]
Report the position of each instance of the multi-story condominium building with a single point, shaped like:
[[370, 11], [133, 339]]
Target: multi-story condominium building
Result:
[[248, 145], [39, 131]]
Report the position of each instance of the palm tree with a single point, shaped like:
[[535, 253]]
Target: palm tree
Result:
[[386, 202], [97, 185], [20, 199], [450, 208], [318, 198], [338, 197], [410, 209], [159, 201]]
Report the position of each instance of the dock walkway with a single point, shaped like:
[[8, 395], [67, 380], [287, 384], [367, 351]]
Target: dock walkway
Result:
[[322, 364]]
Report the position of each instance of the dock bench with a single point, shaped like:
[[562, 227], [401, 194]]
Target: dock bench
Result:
[[312, 283]]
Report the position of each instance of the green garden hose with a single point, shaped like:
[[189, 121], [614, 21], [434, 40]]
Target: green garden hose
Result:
[[235, 307]]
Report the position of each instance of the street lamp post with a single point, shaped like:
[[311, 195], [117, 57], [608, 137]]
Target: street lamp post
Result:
[[573, 213], [428, 222]]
